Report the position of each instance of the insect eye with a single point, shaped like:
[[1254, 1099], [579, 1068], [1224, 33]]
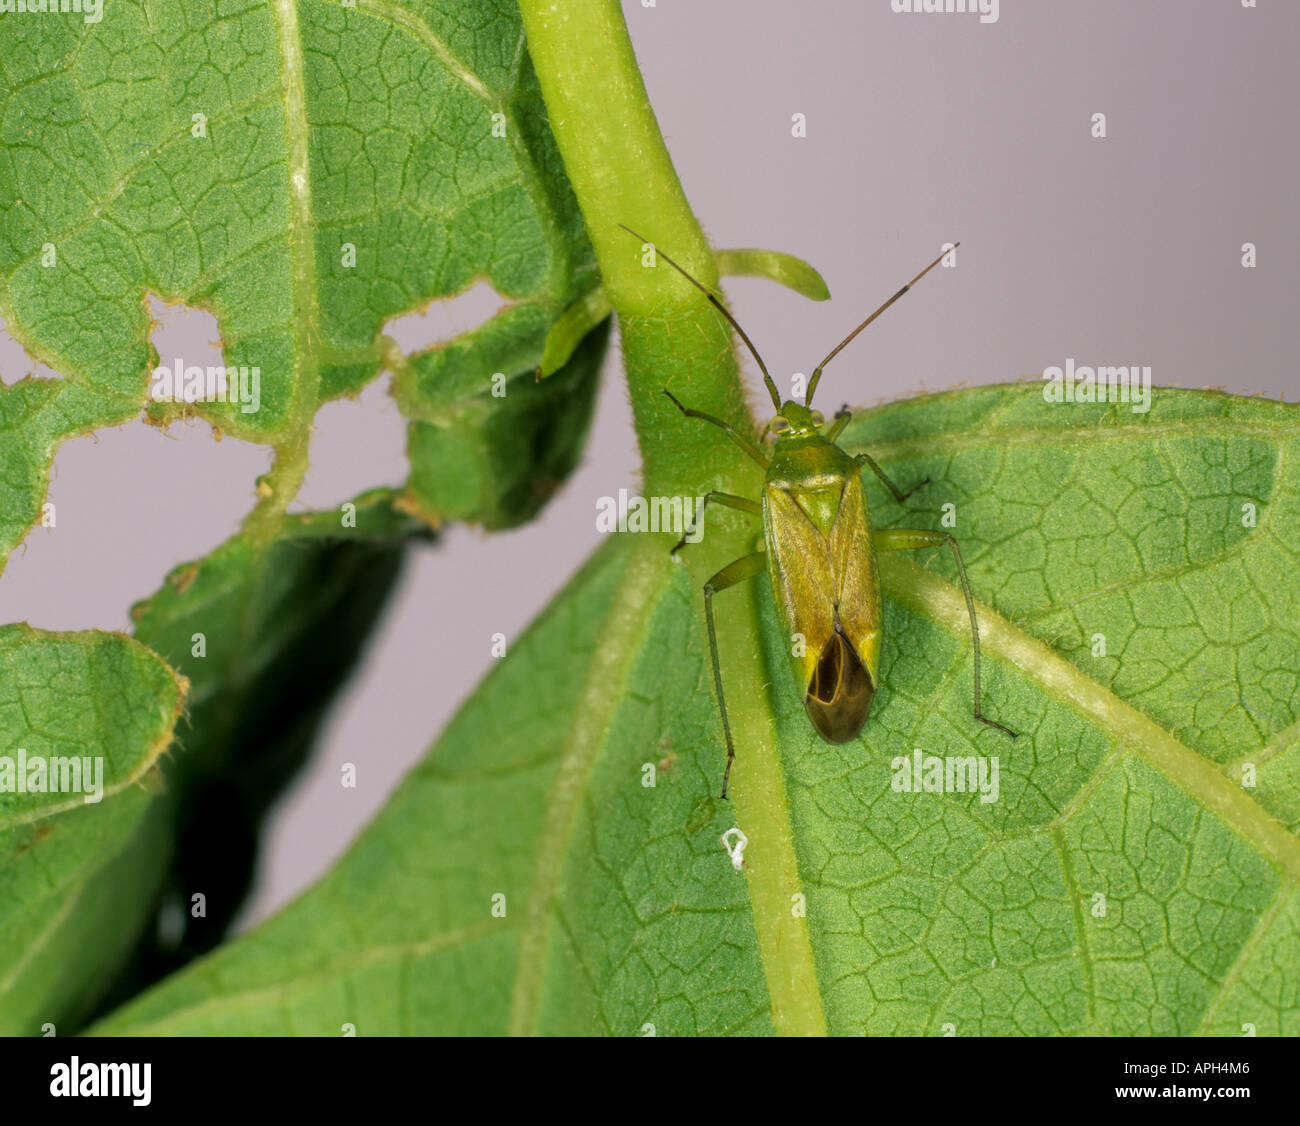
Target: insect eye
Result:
[[780, 425], [818, 419]]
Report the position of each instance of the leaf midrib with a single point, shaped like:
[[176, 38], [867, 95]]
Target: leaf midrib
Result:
[[291, 451], [642, 583]]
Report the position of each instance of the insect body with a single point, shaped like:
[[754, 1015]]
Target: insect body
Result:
[[817, 535], [820, 551]]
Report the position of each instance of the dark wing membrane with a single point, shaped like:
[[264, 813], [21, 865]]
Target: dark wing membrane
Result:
[[840, 692]]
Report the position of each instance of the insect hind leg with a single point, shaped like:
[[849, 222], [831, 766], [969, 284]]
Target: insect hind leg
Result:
[[737, 571], [905, 539]]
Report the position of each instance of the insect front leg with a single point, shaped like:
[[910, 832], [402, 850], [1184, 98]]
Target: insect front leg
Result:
[[737, 571], [838, 423], [731, 432], [900, 496], [905, 539], [727, 500]]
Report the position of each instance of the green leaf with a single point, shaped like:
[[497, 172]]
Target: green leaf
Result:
[[68, 695], [786, 269], [103, 702], [98, 898], [496, 459], [266, 634], [1123, 882], [410, 138]]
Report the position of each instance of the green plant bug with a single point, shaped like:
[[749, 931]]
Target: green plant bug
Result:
[[819, 550]]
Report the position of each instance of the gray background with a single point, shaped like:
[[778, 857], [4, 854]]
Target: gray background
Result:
[[921, 129]]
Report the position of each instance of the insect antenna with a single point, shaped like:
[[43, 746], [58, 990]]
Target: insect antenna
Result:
[[767, 379], [817, 372]]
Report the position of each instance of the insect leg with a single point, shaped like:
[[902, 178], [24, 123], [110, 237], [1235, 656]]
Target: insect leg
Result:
[[735, 435], [727, 500], [737, 571], [838, 423], [904, 539], [900, 496]]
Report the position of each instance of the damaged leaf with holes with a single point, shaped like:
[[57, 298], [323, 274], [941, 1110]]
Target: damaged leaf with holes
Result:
[[305, 195], [322, 171]]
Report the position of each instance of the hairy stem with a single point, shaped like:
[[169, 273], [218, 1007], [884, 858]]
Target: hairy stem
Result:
[[621, 173]]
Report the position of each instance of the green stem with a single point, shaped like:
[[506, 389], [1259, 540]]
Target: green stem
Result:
[[621, 173], [613, 150]]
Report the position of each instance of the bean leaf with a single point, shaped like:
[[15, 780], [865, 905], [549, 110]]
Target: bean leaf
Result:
[[555, 864]]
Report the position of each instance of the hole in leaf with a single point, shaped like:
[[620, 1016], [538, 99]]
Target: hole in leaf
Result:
[[129, 504], [17, 364], [445, 318], [190, 364], [356, 444]]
